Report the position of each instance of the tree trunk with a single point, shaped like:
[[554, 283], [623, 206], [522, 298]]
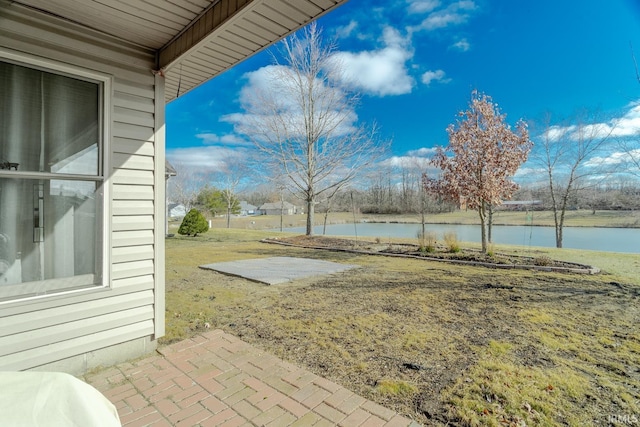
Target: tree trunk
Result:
[[559, 229], [281, 211], [326, 216], [483, 226], [423, 208], [559, 238], [228, 216], [490, 224], [560, 220], [311, 210]]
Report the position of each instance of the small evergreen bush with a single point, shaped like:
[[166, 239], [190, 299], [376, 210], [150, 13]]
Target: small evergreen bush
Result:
[[193, 223]]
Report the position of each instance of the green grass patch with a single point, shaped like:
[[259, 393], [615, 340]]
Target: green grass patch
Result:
[[497, 349], [395, 388], [536, 316], [500, 391]]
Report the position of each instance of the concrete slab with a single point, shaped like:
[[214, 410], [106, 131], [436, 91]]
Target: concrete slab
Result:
[[275, 270]]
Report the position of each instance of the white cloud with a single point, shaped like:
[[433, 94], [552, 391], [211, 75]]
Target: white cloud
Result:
[[268, 92], [438, 76], [380, 72], [204, 160], [530, 175], [627, 125], [441, 20], [408, 162], [617, 158], [624, 129], [418, 159], [555, 133], [423, 6], [462, 45], [227, 139], [422, 152], [346, 30], [454, 14]]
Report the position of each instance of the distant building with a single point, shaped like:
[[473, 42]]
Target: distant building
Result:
[[247, 209], [278, 208], [177, 210]]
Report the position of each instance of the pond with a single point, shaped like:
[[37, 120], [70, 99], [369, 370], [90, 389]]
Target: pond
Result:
[[591, 238]]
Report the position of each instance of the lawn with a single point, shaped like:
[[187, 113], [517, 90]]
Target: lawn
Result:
[[437, 342]]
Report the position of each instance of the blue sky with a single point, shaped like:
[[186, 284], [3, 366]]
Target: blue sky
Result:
[[419, 60]]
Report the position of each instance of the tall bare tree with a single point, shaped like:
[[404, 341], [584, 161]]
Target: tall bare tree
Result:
[[230, 181], [304, 123], [630, 155], [482, 156], [184, 186], [569, 157]]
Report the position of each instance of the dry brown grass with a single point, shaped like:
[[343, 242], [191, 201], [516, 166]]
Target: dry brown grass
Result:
[[437, 342]]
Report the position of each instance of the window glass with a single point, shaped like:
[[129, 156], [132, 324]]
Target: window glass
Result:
[[50, 182], [48, 122]]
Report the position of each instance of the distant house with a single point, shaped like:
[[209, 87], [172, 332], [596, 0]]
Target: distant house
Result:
[[169, 171], [279, 208], [247, 209], [177, 210]]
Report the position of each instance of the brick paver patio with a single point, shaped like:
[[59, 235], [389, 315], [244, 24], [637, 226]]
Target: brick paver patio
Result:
[[215, 379]]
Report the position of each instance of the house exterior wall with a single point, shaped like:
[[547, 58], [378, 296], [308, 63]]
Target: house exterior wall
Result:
[[76, 332], [278, 211], [276, 208]]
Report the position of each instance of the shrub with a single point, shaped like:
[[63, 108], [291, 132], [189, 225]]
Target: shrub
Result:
[[427, 241], [491, 250], [543, 261], [193, 223], [451, 242]]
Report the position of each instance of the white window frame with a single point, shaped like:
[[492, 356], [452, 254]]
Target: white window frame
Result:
[[104, 188]]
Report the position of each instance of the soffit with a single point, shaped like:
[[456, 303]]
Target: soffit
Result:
[[195, 39]]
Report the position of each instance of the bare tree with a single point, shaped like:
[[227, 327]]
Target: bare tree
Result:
[[485, 154], [569, 157], [304, 122], [231, 181], [631, 147], [419, 168], [630, 155], [184, 186]]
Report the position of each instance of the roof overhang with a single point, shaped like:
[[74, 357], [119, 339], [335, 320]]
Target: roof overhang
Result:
[[195, 40]]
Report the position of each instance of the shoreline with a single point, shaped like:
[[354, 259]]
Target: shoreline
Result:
[[633, 226], [575, 218]]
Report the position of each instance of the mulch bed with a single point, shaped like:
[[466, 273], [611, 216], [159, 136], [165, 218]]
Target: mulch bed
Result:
[[464, 256]]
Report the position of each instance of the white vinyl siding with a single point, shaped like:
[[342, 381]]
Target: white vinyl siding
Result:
[[39, 332]]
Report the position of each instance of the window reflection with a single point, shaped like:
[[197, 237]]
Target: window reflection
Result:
[[50, 210]]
